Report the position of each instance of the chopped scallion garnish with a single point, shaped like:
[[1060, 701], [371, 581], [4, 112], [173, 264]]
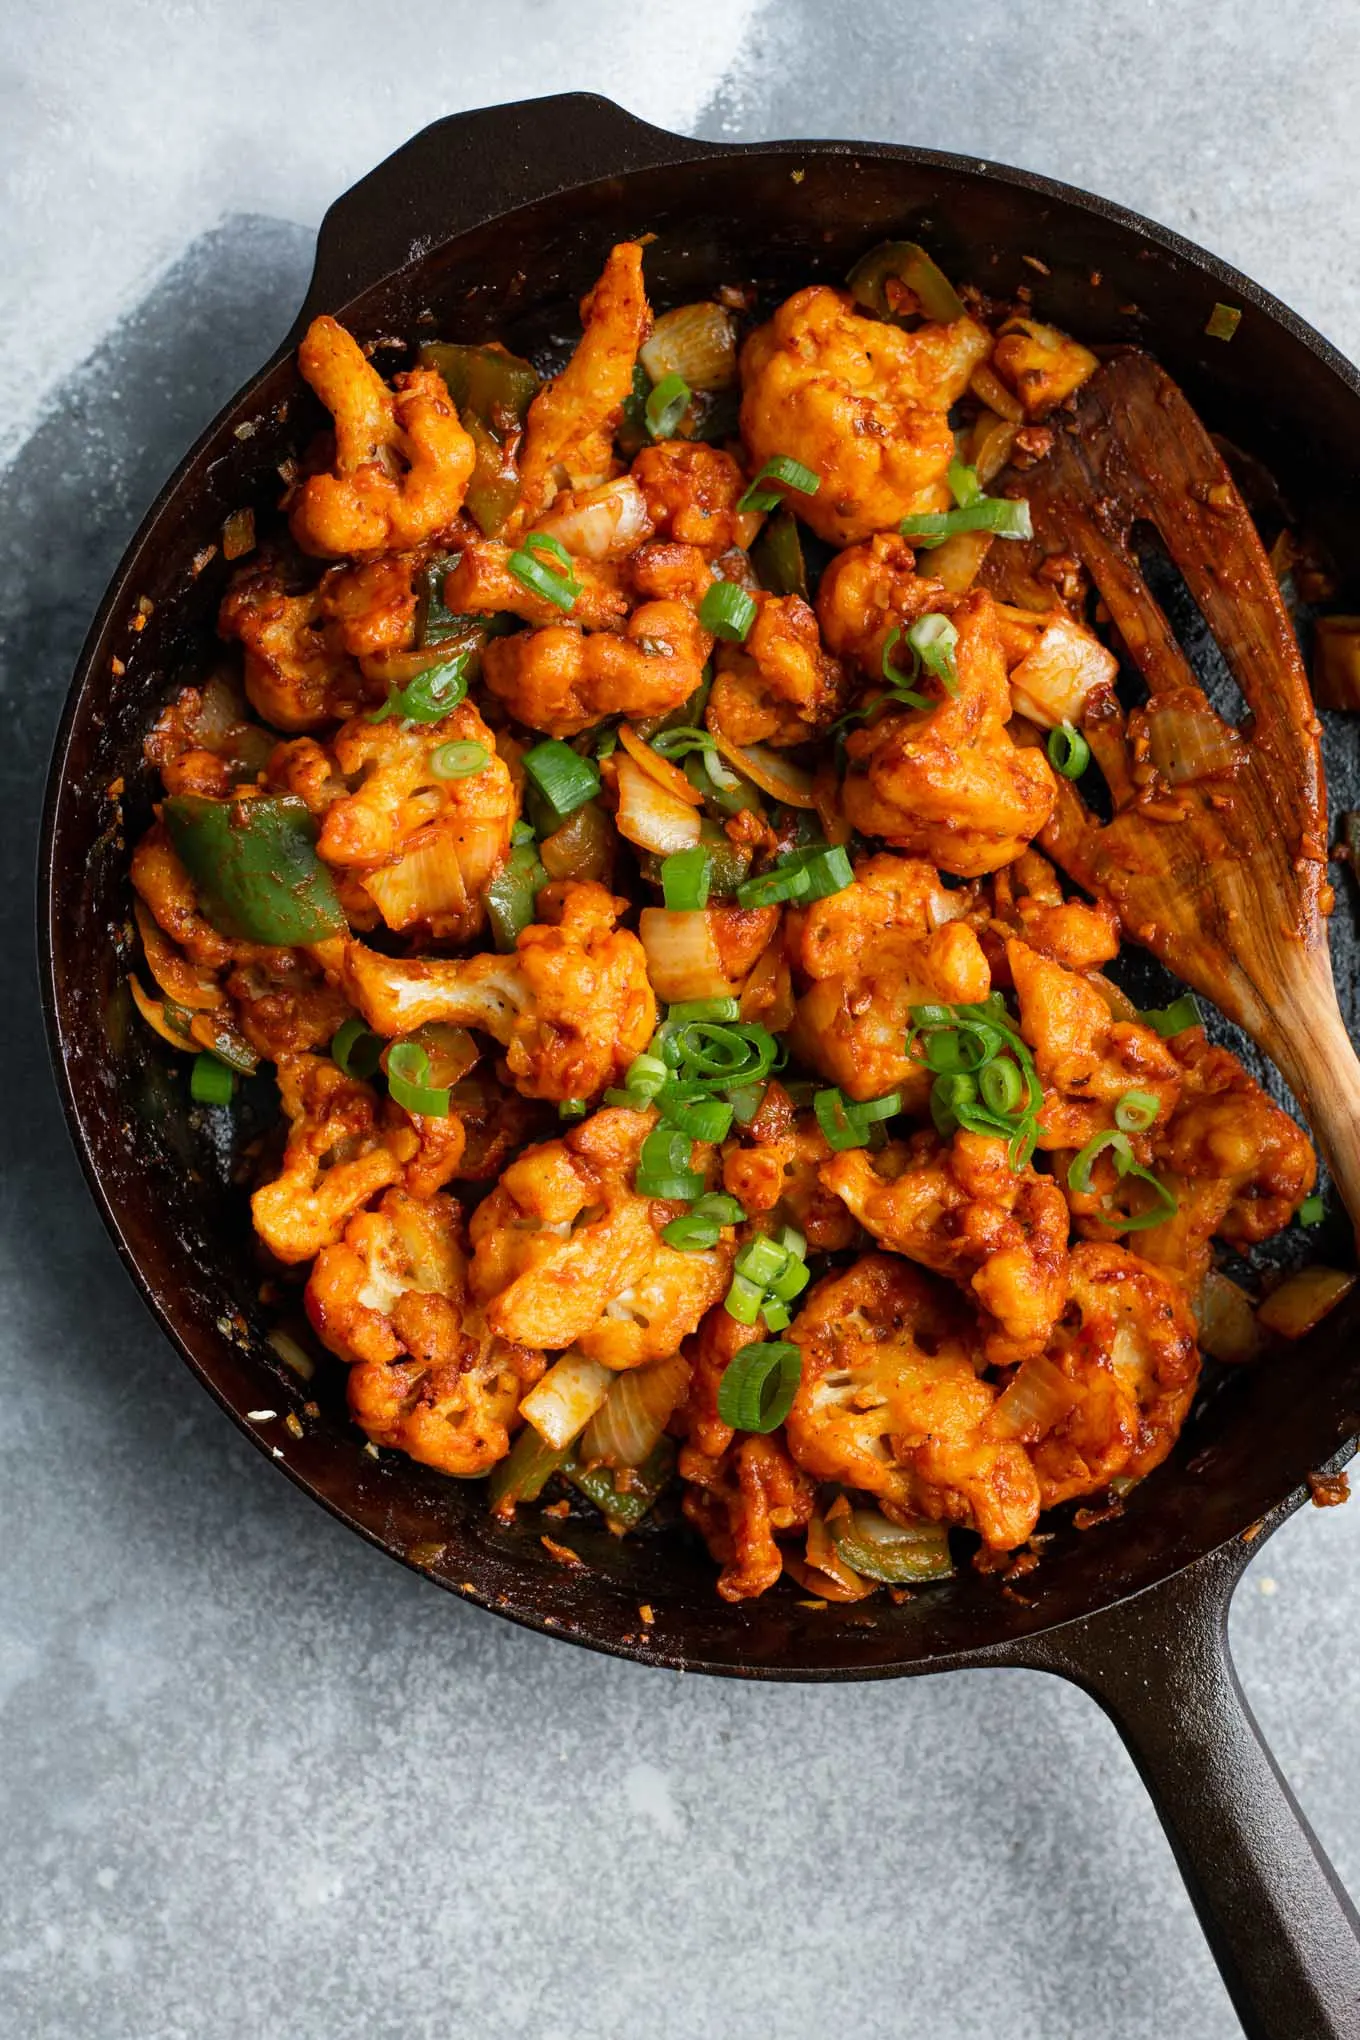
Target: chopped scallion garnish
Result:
[[1312, 1211], [1136, 1111], [1121, 1153], [1175, 1018], [728, 611], [459, 760], [805, 481], [1068, 751], [408, 1081], [666, 406], [429, 697], [686, 876], [757, 1389], [211, 1082], [355, 1049], [564, 778], [556, 584]]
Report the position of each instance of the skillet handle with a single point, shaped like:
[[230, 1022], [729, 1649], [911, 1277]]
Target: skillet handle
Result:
[[465, 170], [1282, 1929]]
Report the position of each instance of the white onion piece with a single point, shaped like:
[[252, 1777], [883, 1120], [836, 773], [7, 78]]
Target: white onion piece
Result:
[[698, 342], [1303, 1300], [1051, 684], [561, 1405], [683, 959], [1039, 1397], [1227, 1323], [603, 524], [1187, 742], [649, 816], [634, 1415]]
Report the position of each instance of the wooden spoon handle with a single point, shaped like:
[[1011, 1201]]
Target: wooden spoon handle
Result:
[[1307, 1040]]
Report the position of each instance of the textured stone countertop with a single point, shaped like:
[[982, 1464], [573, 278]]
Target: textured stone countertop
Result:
[[254, 1779]]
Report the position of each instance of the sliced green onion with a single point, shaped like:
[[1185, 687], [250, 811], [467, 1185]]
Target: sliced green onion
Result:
[[1175, 1018], [211, 1082], [933, 638], [778, 1317], [556, 584], [1001, 1086], [1000, 515], [522, 832], [429, 697], [686, 1010], [666, 406], [664, 1169], [826, 867], [757, 1388], [685, 879], [791, 1281], [782, 468], [773, 888], [728, 611], [949, 1096], [646, 1075], [606, 744], [746, 1100], [1079, 1179], [408, 1074], [1136, 1111], [964, 485], [355, 1049], [719, 1205], [898, 679], [459, 760], [689, 1234], [564, 778], [744, 1300], [680, 742], [681, 1188], [843, 1123], [1068, 751], [1081, 1164], [702, 1117], [1312, 1211], [573, 1108], [761, 1259]]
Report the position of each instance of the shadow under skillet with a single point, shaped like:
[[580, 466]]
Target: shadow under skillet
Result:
[[69, 503]]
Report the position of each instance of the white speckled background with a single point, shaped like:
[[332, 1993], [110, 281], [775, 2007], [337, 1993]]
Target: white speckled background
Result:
[[254, 1779]]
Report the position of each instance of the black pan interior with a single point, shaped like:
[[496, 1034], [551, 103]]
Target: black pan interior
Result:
[[779, 218]]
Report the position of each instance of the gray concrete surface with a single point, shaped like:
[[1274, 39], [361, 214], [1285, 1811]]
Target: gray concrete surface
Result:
[[255, 1780]]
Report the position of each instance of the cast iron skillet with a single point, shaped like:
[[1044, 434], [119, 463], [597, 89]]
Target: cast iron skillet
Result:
[[493, 224]]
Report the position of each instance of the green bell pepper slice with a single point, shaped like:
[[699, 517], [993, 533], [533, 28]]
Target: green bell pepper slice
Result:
[[255, 869]]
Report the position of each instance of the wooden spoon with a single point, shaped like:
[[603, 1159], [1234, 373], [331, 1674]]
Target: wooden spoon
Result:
[[1223, 877]]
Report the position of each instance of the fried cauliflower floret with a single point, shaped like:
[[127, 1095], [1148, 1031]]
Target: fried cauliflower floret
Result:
[[482, 585], [740, 1504], [890, 941], [420, 848], [691, 492], [778, 687], [1086, 1059], [296, 678], [959, 1208], [1065, 671], [427, 1377], [562, 680], [862, 403], [335, 1161], [1028, 901], [1126, 1346], [571, 1008], [402, 459], [1238, 1166], [372, 606], [947, 782], [1043, 366], [867, 592], [567, 1253], [572, 421], [772, 1169], [891, 1401], [205, 743]]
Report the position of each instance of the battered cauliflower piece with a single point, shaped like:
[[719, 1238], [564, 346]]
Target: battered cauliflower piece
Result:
[[1027, 900], [572, 421], [892, 940], [402, 459], [867, 592], [778, 687], [692, 491], [295, 677], [563, 680], [772, 1169], [567, 1253], [427, 1377], [372, 606], [947, 782], [482, 585], [335, 1161], [891, 1401], [664, 571], [419, 848], [1043, 366], [571, 1008], [205, 743], [1238, 1166], [862, 403], [1086, 1059], [1065, 671], [740, 1504], [958, 1207], [1126, 1345]]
